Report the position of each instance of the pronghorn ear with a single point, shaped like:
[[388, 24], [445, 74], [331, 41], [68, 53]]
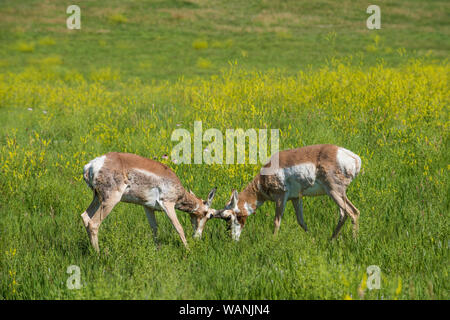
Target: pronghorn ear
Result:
[[211, 195], [234, 198], [231, 198]]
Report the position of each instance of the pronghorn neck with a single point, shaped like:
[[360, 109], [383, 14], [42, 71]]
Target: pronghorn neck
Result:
[[251, 198], [188, 202]]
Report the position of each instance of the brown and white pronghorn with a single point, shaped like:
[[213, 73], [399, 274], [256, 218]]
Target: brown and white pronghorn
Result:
[[309, 171], [126, 177]]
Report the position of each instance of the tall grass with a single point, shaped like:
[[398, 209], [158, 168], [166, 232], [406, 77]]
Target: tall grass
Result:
[[54, 121]]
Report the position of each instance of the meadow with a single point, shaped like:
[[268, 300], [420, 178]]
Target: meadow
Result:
[[138, 70]]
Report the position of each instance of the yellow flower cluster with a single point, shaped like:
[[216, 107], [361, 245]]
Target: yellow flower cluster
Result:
[[394, 109]]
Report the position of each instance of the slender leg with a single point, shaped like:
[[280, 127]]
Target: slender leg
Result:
[[200, 225], [280, 202], [355, 217], [169, 208], [103, 210], [298, 207], [152, 221], [342, 218], [197, 225], [342, 203], [194, 222], [90, 211]]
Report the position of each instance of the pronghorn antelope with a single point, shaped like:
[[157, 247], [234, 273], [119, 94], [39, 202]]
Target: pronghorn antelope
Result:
[[126, 177], [309, 171]]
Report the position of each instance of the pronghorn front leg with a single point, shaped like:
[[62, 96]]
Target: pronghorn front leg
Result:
[[169, 208], [298, 207], [194, 223], [280, 202], [197, 225]]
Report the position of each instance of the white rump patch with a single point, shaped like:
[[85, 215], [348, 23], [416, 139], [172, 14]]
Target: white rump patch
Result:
[[348, 162], [97, 163], [91, 170]]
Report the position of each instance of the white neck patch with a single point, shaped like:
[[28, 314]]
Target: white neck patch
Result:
[[249, 208]]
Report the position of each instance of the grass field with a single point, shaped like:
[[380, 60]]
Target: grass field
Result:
[[137, 70]]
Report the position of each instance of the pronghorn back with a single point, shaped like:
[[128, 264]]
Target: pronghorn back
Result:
[[299, 169], [123, 163], [325, 155], [139, 180]]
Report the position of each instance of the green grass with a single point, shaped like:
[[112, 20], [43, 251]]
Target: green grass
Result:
[[290, 35], [138, 69]]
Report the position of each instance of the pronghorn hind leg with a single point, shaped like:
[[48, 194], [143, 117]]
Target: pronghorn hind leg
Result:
[[340, 199], [105, 206], [89, 214], [280, 203], [355, 216], [298, 207], [197, 225], [169, 208], [342, 219], [91, 210]]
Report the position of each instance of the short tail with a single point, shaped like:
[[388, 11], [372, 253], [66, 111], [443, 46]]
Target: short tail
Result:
[[349, 162], [358, 165]]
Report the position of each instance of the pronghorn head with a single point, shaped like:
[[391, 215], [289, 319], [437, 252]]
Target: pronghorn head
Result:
[[235, 214], [202, 212]]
